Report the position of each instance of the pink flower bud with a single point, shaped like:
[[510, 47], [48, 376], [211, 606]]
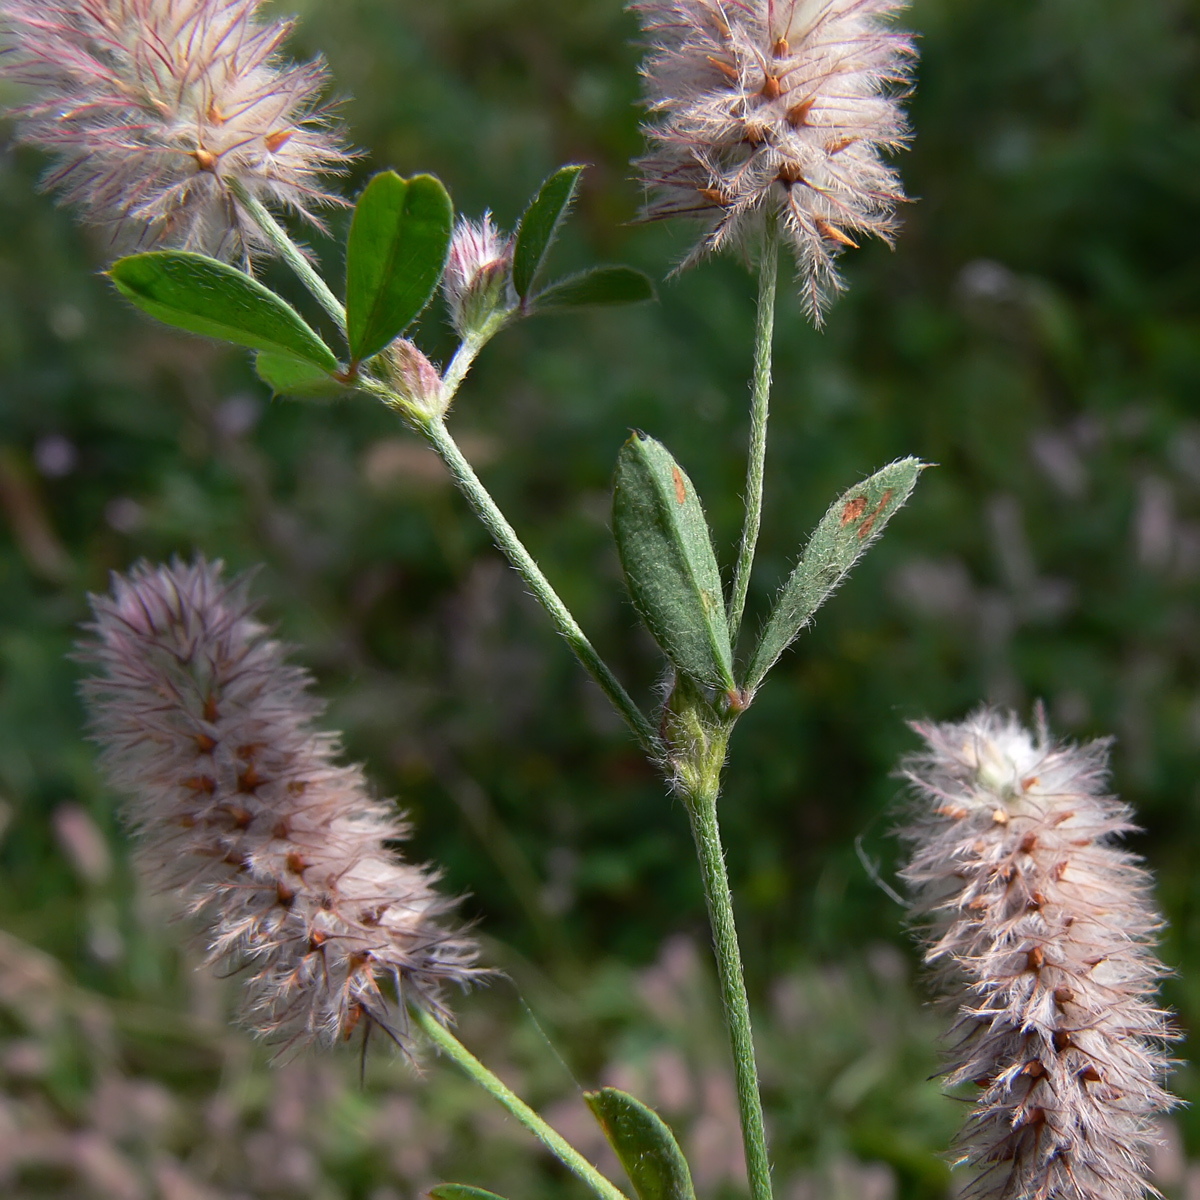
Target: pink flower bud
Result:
[[476, 272], [414, 376]]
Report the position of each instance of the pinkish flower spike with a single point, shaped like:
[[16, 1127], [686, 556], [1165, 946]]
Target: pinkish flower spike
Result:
[[242, 811], [1041, 931], [152, 108], [781, 107], [476, 273]]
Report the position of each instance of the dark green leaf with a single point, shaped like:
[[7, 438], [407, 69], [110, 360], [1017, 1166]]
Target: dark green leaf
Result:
[[601, 285], [202, 295], [645, 1145], [288, 376], [539, 225], [847, 529], [397, 250], [461, 1191], [669, 565]]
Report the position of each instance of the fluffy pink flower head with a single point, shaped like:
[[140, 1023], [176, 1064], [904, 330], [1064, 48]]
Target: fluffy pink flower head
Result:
[[1041, 930], [243, 811], [477, 270], [156, 109], [777, 108]]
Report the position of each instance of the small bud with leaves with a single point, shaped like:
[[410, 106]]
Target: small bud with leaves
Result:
[[415, 377]]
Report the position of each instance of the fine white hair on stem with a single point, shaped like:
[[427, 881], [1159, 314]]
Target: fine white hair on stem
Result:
[[777, 108], [152, 109], [1041, 931], [242, 811]]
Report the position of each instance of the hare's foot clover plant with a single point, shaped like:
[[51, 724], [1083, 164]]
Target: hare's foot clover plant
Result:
[[177, 127]]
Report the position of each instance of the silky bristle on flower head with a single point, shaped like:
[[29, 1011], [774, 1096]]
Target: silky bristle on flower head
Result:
[[1041, 933], [243, 812], [157, 111], [777, 109]]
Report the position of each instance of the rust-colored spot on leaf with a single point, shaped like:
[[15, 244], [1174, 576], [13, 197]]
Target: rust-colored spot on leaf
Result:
[[869, 524], [853, 510], [680, 489]]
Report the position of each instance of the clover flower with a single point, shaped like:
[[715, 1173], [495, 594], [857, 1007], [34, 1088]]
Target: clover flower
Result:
[[1041, 930], [242, 810], [157, 110], [776, 108], [477, 270]]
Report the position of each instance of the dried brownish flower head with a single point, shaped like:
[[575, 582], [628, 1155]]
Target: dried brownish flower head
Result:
[[242, 810], [776, 109], [155, 109], [1041, 931]]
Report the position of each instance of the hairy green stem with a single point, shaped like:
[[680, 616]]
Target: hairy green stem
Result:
[[505, 537], [764, 328], [290, 253], [702, 809], [550, 1138]]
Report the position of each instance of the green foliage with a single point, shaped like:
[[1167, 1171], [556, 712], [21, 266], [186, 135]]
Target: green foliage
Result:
[[645, 1145], [852, 523], [461, 1191], [667, 556], [597, 287], [397, 250], [539, 226], [288, 376], [201, 295]]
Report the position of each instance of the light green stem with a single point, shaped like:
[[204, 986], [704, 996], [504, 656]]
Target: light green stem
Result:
[[505, 537], [702, 809], [550, 1138], [290, 253], [764, 328]]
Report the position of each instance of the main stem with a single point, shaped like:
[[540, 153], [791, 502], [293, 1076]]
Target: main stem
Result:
[[764, 329], [290, 253], [514, 550], [702, 809], [550, 1138]]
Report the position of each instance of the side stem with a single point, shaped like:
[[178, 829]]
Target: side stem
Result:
[[505, 537], [764, 329], [702, 809], [449, 1045], [290, 253]]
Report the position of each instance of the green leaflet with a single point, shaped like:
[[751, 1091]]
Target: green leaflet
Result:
[[601, 285], [645, 1145], [201, 295], [399, 240], [540, 224], [288, 376], [666, 553], [461, 1191], [854, 521]]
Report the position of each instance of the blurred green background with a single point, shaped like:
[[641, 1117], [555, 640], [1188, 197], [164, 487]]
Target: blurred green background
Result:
[[1036, 333]]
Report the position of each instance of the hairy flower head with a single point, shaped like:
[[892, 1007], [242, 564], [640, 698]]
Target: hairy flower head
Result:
[[779, 109], [156, 110], [477, 270], [243, 811], [1041, 930]]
